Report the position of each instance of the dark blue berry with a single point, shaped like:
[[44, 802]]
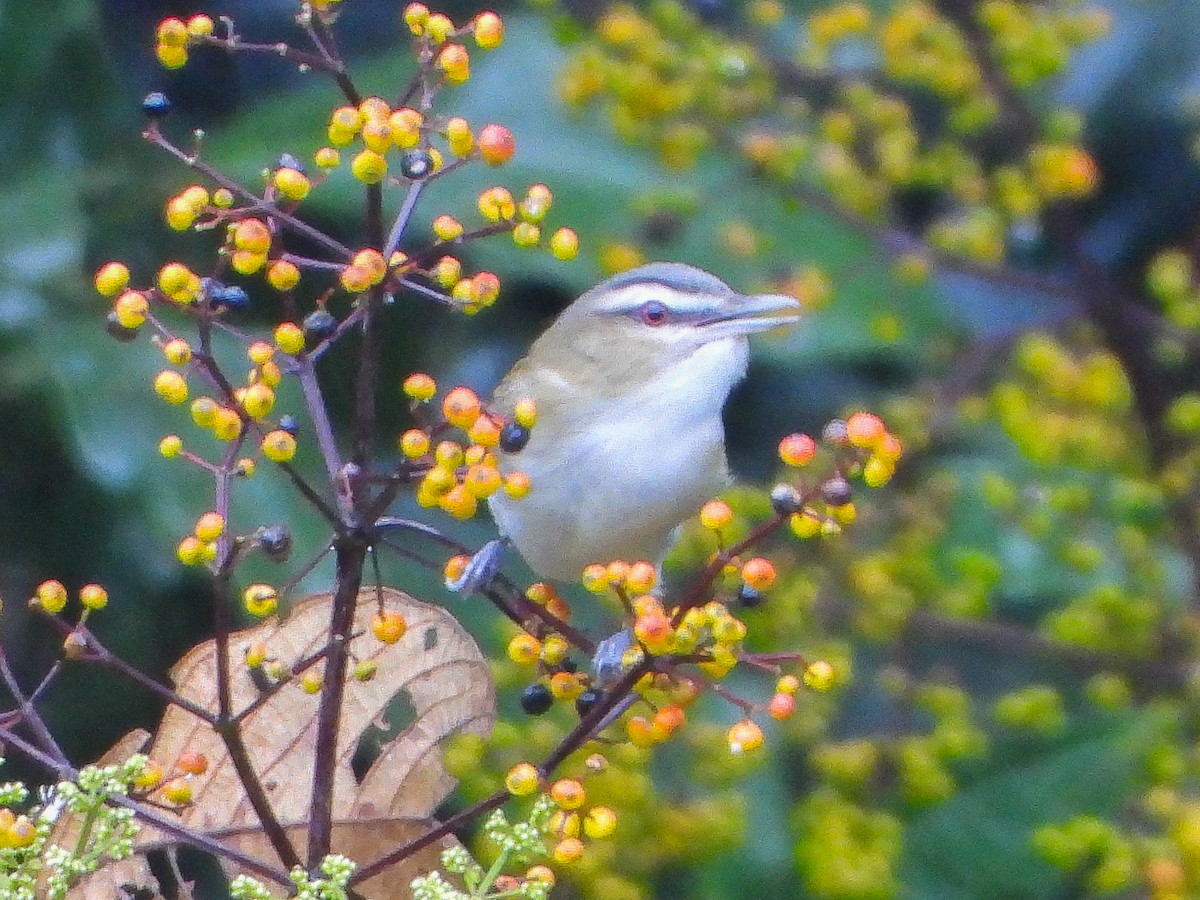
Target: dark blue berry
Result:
[[749, 597], [587, 701], [289, 424], [536, 699], [225, 296], [318, 325], [416, 164], [276, 541], [156, 105], [513, 437]]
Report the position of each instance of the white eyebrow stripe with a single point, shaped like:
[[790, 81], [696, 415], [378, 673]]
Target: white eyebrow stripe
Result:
[[630, 298]]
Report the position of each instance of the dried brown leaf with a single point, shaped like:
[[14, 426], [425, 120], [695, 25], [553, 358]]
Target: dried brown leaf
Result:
[[436, 666]]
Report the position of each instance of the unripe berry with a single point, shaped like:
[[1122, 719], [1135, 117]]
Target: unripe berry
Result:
[[51, 596], [260, 599], [289, 338], [522, 780], [111, 279], [279, 446], [568, 793], [369, 167], [171, 386], [564, 244]]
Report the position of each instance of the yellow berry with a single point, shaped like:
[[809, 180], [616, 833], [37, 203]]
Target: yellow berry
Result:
[[517, 485], [251, 235], [289, 337], [369, 167], [283, 275], [260, 600], [414, 443], [564, 244], [524, 649], [93, 596], [131, 309], [177, 351], [279, 446], [819, 675], [447, 228], [327, 158], [744, 736], [51, 595], [171, 386], [568, 793], [600, 822], [291, 184], [178, 791], [226, 424], [209, 526], [170, 446], [258, 401], [190, 551], [461, 407], [522, 780], [111, 279], [419, 386], [489, 30]]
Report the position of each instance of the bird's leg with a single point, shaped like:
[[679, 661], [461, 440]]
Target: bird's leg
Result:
[[481, 568]]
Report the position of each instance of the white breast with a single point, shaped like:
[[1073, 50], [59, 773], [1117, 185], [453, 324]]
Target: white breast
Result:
[[616, 486]]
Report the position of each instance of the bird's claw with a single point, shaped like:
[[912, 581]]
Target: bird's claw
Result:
[[480, 569]]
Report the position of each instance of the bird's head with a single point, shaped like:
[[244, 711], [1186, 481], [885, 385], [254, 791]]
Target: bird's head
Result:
[[657, 318]]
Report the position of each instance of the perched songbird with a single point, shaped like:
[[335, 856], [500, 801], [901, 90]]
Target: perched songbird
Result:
[[629, 383]]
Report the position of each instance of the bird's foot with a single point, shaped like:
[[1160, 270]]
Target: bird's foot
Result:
[[480, 569]]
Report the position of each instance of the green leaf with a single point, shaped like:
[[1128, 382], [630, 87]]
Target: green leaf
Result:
[[978, 843]]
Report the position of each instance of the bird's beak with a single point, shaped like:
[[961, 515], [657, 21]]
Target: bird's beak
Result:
[[746, 315]]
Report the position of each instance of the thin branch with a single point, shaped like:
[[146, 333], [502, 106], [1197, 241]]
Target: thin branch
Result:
[[166, 823]]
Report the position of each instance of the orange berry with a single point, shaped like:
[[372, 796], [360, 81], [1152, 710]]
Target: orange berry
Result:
[[192, 763], [797, 449], [864, 429], [758, 573], [715, 514], [419, 386], [568, 793], [496, 144], [489, 30], [388, 626], [782, 706], [567, 851], [461, 407]]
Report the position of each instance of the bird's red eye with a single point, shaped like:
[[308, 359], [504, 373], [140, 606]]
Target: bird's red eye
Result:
[[653, 313]]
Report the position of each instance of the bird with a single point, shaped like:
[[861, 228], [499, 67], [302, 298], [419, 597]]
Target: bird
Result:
[[629, 384]]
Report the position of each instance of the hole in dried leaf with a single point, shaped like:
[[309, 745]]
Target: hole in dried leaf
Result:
[[398, 716]]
